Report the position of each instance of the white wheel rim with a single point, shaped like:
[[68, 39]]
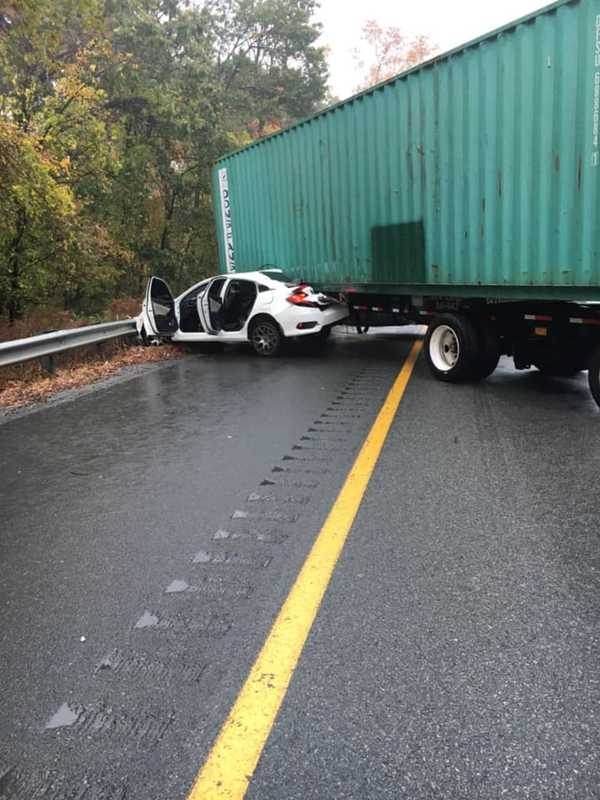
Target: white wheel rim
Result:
[[444, 348]]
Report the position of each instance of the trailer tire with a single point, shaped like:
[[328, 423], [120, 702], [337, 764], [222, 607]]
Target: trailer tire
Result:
[[489, 351], [452, 348], [594, 375]]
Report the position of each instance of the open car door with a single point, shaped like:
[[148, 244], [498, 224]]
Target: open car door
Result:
[[210, 304], [159, 309]]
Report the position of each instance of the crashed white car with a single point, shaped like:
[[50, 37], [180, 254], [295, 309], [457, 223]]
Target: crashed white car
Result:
[[262, 308]]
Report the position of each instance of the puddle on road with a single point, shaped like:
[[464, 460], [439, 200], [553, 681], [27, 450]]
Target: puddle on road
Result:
[[66, 716], [177, 586], [147, 620]]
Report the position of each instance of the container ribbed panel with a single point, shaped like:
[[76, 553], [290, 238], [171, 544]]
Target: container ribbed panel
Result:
[[476, 171]]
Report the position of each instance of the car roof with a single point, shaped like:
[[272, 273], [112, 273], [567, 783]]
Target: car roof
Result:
[[256, 275]]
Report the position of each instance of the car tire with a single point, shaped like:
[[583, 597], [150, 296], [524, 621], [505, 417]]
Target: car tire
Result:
[[265, 337], [594, 375], [320, 339], [452, 348], [315, 343], [143, 338]]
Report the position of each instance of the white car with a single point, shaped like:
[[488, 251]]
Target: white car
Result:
[[262, 307]]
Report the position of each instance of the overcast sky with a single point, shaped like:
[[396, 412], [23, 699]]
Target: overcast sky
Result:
[[448, 23]]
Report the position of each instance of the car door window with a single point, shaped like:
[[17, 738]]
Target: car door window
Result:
[[159, 308], [215, 303], [237, 304]]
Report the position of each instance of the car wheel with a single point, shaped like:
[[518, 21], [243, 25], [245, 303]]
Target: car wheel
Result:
[[316, 342], [266, 338], [149, 341], [319, 339], [452, 348]]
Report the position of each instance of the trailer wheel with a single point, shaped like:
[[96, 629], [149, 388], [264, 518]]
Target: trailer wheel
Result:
[[452, 348], [594, 375], [489, 351]]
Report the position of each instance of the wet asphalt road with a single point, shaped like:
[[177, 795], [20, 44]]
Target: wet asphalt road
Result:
[[165, 519]]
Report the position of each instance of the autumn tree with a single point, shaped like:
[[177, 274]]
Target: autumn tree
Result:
[[112, 114], [387, 51], [55, 140], [36, 213]]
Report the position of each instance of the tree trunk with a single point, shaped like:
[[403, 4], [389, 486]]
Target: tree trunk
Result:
[[14, 305], [164, 239]]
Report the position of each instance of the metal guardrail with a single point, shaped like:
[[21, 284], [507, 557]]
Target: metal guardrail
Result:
[[46, 345]]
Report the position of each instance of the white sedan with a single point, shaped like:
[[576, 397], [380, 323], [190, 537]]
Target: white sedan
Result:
[[262, 307]]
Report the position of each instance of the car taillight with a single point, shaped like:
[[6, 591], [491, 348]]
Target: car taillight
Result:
[[300, 299]]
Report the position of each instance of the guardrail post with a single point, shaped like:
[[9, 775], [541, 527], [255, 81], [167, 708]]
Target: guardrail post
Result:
[[47, 364]]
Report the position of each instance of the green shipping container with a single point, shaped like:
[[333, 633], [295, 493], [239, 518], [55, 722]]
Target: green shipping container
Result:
[[476, 174]]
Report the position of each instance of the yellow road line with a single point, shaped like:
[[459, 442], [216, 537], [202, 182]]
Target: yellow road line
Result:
[[236, 751]]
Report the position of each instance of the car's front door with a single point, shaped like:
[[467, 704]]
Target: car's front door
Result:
[[210, 304], [187, 310], [159, 309]]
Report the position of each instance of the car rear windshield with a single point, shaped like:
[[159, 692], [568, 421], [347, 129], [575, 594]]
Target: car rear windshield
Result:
[[277, 275]]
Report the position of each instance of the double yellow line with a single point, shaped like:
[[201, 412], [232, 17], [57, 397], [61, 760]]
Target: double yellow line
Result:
[[236, 751]]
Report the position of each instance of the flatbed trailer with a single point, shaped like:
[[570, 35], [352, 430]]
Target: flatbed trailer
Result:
[[464, 193]]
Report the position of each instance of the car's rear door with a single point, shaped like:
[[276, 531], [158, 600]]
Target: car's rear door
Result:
[[159, 309], [210, 303]]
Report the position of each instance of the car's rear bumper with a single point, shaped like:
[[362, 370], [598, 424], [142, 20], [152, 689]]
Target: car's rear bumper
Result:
[[304, 317]]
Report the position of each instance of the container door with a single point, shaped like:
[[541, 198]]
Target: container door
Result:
[[159, 309]]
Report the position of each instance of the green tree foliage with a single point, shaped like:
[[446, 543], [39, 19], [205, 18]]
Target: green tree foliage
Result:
[[112, 113], [36, 214], [266, 59]]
